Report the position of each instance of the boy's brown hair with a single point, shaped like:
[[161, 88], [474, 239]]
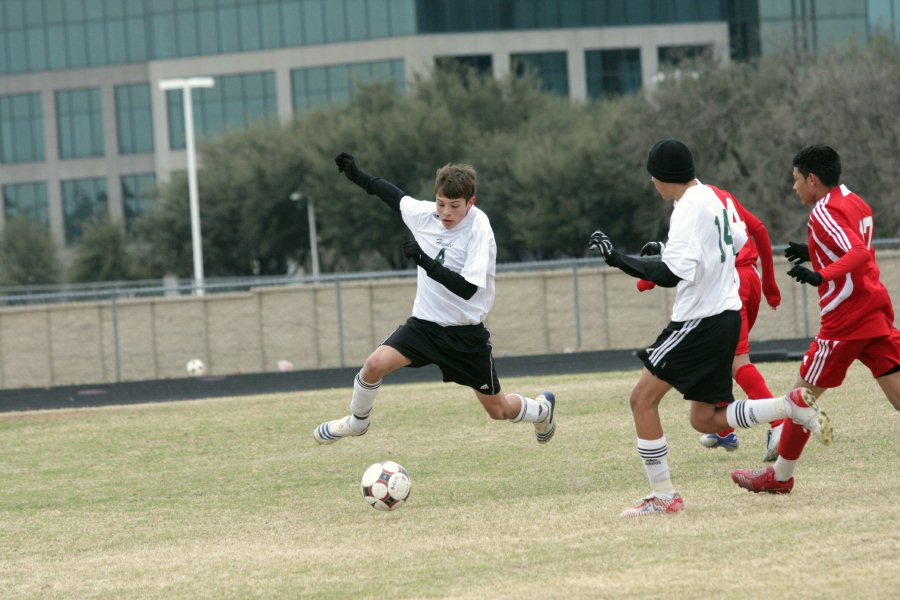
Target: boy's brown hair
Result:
[[456, 181]]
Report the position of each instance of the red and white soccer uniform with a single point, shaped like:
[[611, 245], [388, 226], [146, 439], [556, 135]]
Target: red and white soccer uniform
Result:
[[856, 311], [749, 285]]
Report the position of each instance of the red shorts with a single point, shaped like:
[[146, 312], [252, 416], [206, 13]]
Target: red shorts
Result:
[[750, 291], [826, 362]]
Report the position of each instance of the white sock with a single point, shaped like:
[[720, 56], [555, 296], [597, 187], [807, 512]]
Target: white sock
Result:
[[747, 413], [784, 468], [531, 411], [361, 403], [655, 455]]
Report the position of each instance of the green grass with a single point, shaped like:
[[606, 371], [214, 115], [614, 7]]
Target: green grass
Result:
[[232, 498]]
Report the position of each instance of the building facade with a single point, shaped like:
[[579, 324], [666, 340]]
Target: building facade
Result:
[[85, 129]]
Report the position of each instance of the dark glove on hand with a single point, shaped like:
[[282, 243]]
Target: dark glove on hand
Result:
[[601, 243], [346, 164], [653, 249], [413, 251], [796, 252], [804, 275]]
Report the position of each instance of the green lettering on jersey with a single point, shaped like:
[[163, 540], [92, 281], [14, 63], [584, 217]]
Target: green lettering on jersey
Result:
[[439, 259], [724, 236]]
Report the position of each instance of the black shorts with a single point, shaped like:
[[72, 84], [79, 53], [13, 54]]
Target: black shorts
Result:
[[695, 356], [462, 352]]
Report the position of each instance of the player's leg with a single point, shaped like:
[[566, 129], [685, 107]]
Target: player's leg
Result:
[[890, 384], [519, 408], [882, 356], [409, 344], [652, 448]]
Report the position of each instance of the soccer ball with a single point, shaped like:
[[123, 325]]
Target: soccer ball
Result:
[[195, 367], [385, 485]]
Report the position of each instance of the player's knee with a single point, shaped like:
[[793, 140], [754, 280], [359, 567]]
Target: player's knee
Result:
[[374, 368]]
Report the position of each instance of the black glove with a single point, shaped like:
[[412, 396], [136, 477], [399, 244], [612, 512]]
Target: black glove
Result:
[[413, 251], [804, 275], [346, 164], [796, 252], [653, 249], [601, 243]]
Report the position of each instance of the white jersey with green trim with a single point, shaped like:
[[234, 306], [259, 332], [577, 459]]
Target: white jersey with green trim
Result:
[[468, 248], [701, 250]]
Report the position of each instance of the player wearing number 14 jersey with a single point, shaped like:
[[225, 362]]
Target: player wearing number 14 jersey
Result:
[[694, 352], [857, 317]]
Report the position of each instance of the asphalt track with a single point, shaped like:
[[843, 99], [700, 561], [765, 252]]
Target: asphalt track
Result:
[[197, 388]]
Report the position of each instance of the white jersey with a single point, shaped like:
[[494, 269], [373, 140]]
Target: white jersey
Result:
[[701, 250], [468, 248]]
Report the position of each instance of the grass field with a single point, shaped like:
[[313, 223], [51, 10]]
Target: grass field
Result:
[[232, 498]]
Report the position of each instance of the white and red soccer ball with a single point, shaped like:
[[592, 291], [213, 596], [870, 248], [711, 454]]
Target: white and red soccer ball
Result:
[[385, 485]]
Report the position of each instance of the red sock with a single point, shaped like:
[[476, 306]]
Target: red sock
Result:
[[753, 384], [793, 439]]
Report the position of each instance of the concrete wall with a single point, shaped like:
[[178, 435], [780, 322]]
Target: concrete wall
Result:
[[338, 324]]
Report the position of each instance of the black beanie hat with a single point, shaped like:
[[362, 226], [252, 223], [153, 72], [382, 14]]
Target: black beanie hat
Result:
[[671, 161]]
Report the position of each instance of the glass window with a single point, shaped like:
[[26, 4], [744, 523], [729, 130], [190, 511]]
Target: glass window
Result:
[[270, 25], [357, 20], [76, 46], [335, 22], [313, 22], [291, 23], [379, 19], [613, 72], [229, 33], [549, 66], [21, 128], [79, 118], [249, 27], [235, 102], [672, 55], [186, 33], [318, 86], [480, 63], [134, 118], [82, 200], [207, 32], [37, 49], [29, 199], [138, 196]]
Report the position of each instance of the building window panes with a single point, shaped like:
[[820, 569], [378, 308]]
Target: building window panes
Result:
[[235, 102], [613, 72], [549, 66], [83, 200], [318, 86], [134, 118], [27, 199], [21, 128], [138, 195], [79, 123]]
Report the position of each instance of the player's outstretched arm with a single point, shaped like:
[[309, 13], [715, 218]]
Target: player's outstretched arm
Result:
[[757, 230], [651, 270], [387, 191], [451, 280]]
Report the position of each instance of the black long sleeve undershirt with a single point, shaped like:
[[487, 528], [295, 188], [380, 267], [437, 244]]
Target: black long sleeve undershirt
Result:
[[389, 193], [651, 270], [451, 280]]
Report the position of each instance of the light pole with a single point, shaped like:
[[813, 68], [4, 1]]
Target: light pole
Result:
[[313, 237], [186, 85]]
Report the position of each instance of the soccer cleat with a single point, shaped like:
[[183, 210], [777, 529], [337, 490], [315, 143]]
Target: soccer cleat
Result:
[[802, 410], [544, 430], [773, 436], [762, 480], [331, 431], [714, 440], [651, 505]]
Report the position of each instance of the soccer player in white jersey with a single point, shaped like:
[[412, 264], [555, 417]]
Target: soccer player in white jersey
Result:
[[694, 352], [455, 251]]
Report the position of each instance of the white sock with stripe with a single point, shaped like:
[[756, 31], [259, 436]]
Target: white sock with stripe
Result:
[[531, 411], [361, 403], [747, 413], [655, 455], [784, 468]]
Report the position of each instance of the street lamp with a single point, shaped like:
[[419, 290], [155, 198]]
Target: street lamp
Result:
[[186, 85], [313, 237]]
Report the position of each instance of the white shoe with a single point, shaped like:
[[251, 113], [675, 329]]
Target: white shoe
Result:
[[331, 431], [802, 410], [544, 430], [773, 436]]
